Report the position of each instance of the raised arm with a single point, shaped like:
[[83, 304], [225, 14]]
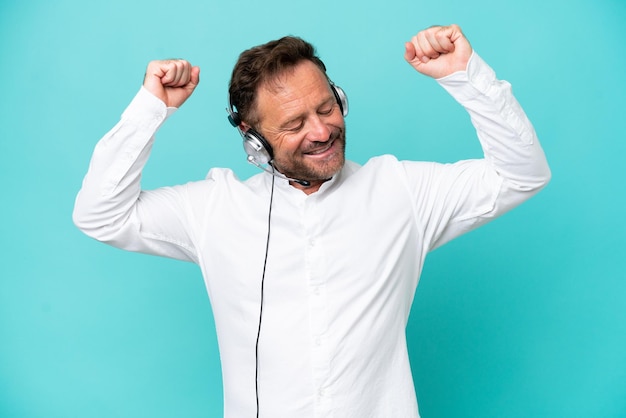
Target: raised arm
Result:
[[466, 194], [111, 207]]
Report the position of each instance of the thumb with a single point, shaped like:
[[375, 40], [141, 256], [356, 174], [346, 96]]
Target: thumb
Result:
[[195, 77], [187, 90]]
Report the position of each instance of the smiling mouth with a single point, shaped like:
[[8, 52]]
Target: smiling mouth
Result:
[[319, 151]]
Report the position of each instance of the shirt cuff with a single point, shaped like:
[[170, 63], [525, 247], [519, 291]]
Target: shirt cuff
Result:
[[146, 106], [476, 80]]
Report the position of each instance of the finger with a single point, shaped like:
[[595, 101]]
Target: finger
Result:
[[409, 51], [194, 77], [416, 50], [187, 75], [177, 73], [420, 47], [441, 40], [168, 72], [432, 43], [183, 73], [179, 77]]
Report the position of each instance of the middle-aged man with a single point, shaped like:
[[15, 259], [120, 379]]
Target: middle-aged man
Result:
[[311, 267]]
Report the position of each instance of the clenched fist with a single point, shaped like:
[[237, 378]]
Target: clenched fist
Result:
[[172, 81], [438, 51]]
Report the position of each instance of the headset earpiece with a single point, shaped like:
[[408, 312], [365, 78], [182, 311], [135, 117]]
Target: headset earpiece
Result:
[[257, 148], [341, 97]]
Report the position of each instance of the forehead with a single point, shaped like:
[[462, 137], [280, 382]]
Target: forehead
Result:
[[296, 90]]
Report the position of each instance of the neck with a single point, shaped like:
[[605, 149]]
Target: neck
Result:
[[313, 186]]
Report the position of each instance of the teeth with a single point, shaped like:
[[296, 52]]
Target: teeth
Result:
[[321, 150]]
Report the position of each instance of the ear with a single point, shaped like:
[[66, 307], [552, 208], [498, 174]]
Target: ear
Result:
[[244, 126]]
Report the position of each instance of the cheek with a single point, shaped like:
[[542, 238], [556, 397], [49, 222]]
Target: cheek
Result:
[[338, 124], [286, 145]]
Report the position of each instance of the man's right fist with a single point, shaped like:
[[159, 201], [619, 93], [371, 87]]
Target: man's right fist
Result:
[[172, 81]]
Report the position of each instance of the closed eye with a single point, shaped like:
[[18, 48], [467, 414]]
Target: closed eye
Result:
[[327, 107], [294, 126], [326, 110]]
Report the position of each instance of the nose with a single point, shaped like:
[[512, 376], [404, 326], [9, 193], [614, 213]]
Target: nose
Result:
[[319, 131]]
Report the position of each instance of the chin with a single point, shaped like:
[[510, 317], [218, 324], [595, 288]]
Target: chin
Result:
[[328, 169], [316, 169], [323, 170]]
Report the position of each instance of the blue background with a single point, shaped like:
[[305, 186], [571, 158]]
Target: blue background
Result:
[[522, 318]]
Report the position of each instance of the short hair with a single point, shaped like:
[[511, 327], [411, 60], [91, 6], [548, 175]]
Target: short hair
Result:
[[261, 64]]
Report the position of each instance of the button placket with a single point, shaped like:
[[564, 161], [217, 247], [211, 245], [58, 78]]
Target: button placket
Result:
[[318, 304]]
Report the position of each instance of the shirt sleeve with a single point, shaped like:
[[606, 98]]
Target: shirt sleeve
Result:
[[452, 199], [112, 208]]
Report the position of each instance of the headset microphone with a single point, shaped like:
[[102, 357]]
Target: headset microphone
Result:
[[275, 173]]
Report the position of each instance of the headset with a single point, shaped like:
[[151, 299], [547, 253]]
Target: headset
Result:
[[258, 150]]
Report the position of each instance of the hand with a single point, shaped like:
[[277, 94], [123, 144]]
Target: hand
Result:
[[438, 51], [172, 81]]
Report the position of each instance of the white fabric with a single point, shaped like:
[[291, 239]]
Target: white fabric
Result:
[[343, 263]]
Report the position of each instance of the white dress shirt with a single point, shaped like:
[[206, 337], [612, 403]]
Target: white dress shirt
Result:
[[343, 263]]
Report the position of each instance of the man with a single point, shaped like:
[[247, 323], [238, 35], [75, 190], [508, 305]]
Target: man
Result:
[[311, 269]]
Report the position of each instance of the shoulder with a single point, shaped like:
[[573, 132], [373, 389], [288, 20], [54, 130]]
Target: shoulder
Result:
[[383, 168], [391, 164], [219, 181]]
